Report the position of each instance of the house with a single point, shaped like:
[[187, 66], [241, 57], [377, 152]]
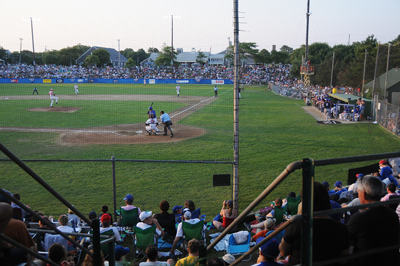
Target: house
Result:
[[115, 57], [393, 85]]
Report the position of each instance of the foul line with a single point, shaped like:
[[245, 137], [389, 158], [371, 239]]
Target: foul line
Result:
[[57, 130]]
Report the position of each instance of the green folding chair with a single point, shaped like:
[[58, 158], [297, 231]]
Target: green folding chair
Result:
[[106, 248], [129, 219], [144, 238], [191, 231], [279, 213], [293, 204]]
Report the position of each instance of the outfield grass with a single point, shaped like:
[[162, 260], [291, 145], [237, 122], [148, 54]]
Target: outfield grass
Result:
[[274, 131]]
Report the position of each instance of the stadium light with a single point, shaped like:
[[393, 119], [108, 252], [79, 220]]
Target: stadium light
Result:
[[33, 43], [172, 36]]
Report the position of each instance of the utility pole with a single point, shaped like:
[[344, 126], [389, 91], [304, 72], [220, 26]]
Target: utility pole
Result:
[[119, 56], [374, 82], [387, 70], [20, 49], [172, 40], [333, 62], [365, 66], [308, 21], [236, 105], [33, 46]]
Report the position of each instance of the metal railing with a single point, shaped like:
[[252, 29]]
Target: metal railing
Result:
[[308, 165]]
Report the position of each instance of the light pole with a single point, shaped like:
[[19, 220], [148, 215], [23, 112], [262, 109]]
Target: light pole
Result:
[[33, 45], [20, 49], [172, 37], [119, 56]]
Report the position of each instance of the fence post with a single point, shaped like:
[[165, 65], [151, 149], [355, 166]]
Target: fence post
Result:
[[396, 120], [386, 107], [114, 188], [96, 242], [307, 212]]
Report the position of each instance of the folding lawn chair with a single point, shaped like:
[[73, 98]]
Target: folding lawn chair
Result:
[[129, 219], [279, 212], [144, 238], [293, 204], [239, 249]]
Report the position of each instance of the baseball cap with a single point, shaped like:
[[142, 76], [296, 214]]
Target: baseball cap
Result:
[[188, 214], [120, 251], [382, 162], [105, 218], [145, 215], [359, 176], [338, 184], [176, 208], [269, 223], [325, 184], [128, 197], [269, 249], [228, 258], [92, 215]]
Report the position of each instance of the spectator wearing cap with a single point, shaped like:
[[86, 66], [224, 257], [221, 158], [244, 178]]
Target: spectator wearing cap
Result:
[[353, 187], [326, 185], [63, 220], [152, 253], [106, 226], [73, 218], [385, 175], [148, 221], [228, 259], [179, 234], [177, 210], [339, 189], [104, 209], [166, 221], [330, 238], [92, 215], [391, 191], [129, 204], [193, 249], [268, 253], [374, 227], [228, 215]]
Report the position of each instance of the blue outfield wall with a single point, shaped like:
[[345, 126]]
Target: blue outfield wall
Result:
[[123, 81]]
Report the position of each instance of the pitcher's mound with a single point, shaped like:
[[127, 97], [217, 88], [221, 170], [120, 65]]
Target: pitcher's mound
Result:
[[62, 109]]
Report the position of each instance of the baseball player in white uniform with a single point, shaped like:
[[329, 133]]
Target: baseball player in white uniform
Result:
[[178, 89], [151, 126], [52, 97], [76, 88]]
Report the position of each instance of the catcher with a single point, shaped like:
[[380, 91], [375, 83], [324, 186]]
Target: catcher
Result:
[[151, 126]]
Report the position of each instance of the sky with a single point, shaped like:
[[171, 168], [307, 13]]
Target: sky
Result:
[[203, 25]]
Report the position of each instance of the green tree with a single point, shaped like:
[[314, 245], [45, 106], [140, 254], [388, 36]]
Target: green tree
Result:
[[164, 56], [286, 49], [130, 63], [51, 57], [68, 56], [152, 50], [279, 57], [246, 50], [262, 57], [3, 53], [91, 60], [200, 56], [103, 55]]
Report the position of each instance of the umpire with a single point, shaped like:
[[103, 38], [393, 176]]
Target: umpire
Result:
[[166, 120]]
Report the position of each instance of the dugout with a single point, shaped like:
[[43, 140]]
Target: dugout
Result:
[[351, 99]]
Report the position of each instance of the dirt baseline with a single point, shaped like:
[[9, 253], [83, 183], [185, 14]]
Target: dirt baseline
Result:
[[119, 134]]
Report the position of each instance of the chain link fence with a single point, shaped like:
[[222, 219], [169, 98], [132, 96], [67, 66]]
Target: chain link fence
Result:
[[88, 184], [387, 115]]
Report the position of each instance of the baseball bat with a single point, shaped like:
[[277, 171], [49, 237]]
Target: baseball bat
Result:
[[151, 104]]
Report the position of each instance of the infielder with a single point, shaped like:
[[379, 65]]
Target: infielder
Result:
[[76, 88], [53, 97], [35, 90], [151, 126], [178, 89]]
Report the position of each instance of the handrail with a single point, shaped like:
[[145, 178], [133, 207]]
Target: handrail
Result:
[[289, 169]]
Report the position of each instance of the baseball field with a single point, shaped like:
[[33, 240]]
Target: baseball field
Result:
[[107, 120]]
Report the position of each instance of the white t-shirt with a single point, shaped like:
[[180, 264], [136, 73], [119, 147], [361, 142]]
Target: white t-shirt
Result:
[[65, 229], [144, 226], [130, 207], [115, 230], [179, 231]]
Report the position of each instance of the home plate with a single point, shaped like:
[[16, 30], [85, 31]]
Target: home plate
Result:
[[139, 132]]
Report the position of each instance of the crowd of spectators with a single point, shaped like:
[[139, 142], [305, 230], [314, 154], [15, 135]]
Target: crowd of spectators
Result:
[[249, 74]]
